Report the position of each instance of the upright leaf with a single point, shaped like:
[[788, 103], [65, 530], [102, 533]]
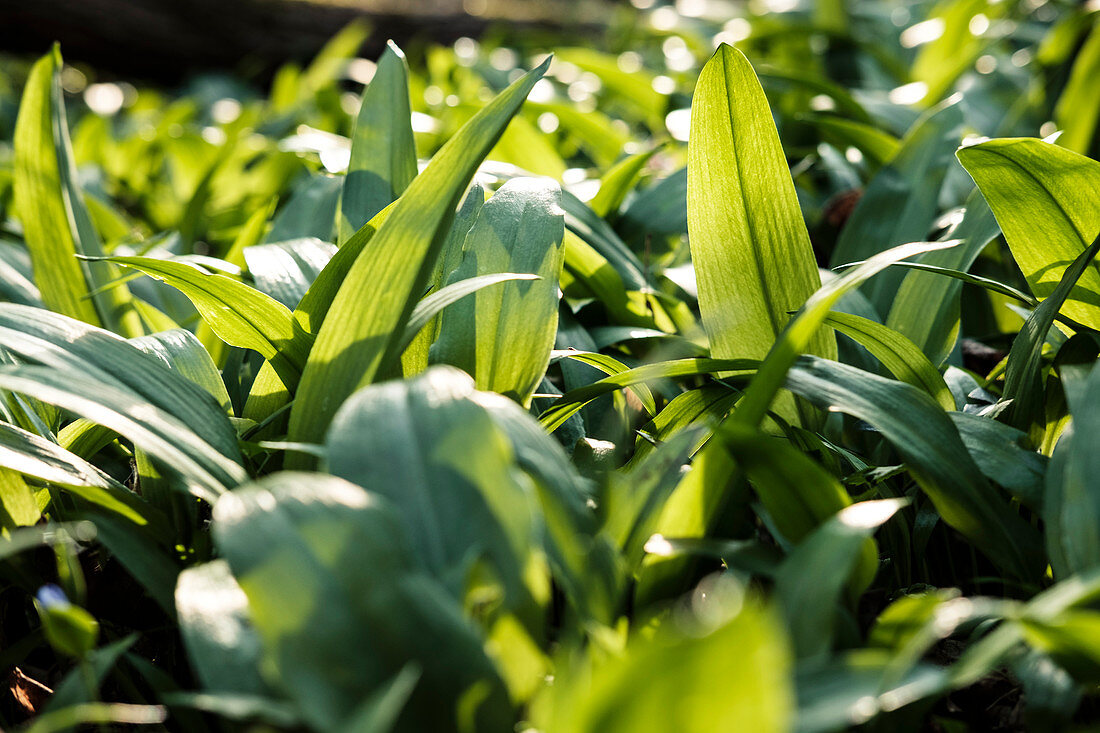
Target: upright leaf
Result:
[[1027, 181], [363, 331], [51, 207], [753, 260], [437, 455], [383, 151], [503, 335]]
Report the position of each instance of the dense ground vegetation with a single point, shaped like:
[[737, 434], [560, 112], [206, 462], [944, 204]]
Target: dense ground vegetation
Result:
[[469, 398]]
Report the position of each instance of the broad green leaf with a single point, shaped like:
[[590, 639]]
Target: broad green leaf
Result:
[[810, 580], [38, 336], [901, 202], [437, 455], [752, 254], [928, 442], [207, 472], [241, 316], [383, 152], [503, 337], [360, 338], [1027, 181], [1078, 108], [926, 307], [55, 221], [702, 674], [568, 523], [898, 354], [341, 606]]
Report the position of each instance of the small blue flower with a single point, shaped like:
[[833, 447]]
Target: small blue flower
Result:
[[51, 596]]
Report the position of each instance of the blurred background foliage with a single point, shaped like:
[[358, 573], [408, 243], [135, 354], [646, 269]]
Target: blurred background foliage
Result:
[[192, 151]]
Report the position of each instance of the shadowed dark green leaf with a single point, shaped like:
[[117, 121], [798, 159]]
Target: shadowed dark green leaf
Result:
[[810, 580], [928, 442], [341, 606]]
